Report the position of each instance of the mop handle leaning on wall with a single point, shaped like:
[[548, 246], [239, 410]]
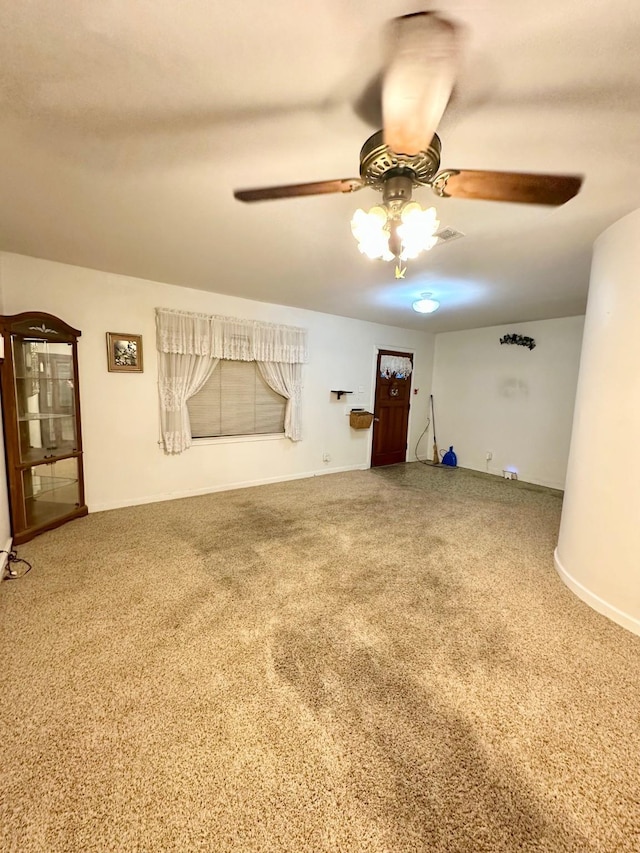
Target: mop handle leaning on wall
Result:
[[436, 456]]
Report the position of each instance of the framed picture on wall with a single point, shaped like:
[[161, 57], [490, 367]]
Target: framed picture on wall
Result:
[[124, 352]]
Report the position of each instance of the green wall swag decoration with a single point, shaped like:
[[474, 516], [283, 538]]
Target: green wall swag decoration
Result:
[[518, 340]]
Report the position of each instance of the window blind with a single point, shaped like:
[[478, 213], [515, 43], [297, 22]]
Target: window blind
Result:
[[236, 400]]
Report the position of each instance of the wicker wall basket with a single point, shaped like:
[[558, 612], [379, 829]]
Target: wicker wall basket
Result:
[[360, 420]]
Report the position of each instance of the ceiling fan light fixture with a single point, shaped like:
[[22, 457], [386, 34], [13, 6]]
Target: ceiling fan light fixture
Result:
[[426, 305], [412, 227], [369, 229]]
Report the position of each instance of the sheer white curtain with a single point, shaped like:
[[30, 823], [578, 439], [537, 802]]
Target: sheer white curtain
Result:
[[180, 376], [286, 380], [190, 346]]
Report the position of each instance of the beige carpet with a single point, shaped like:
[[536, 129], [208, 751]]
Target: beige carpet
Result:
[[374, 661]]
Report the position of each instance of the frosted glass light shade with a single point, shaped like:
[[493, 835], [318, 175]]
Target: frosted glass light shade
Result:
[[370, 231], [426, 305], [417, 230]]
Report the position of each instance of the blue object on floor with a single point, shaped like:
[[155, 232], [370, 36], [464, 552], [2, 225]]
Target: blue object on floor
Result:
[[450, 458]]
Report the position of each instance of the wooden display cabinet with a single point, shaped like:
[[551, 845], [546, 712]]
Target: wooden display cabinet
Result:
[[41, 415]]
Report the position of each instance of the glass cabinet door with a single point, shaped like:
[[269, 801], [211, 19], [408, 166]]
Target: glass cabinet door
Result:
[[51, 490], [45, 398]]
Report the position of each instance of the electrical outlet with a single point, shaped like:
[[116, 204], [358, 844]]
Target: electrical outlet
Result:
[[326, 457], [510, 475], [489, 455]]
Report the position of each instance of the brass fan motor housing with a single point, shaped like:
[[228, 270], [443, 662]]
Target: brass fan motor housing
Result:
[[378, 163]]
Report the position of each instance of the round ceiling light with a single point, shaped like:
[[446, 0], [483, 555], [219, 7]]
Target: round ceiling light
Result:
[[426, 305]]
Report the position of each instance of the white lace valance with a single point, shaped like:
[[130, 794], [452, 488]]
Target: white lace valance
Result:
[[227, 337], [395, 365]]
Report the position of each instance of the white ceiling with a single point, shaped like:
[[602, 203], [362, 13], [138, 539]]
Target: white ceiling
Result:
[[126, 125]]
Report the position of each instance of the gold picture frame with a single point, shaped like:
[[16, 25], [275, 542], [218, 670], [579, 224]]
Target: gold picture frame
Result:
[[124, 352]]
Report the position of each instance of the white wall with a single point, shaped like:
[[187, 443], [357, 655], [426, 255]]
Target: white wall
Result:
[[123, 462], [5, 523], [512, 401], [598, 553]]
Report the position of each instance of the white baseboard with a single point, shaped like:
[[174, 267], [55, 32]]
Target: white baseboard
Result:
[[600, 605], [495, 472], [526, 478], [5, 557], [207, 490]]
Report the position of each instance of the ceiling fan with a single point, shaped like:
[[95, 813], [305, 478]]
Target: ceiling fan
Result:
[[417, 83]]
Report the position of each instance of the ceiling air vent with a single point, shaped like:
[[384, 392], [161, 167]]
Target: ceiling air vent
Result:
[[446, 235]]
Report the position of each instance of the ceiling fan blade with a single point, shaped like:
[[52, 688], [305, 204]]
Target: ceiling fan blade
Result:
[[518, 187], [343, 185], [418, 80]]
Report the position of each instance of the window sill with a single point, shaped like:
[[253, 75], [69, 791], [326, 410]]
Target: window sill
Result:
[[237, 439]]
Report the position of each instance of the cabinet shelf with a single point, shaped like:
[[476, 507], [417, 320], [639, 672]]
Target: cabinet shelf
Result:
[[47, 485], [42, 515], [47, 455], [45, 416], [42, 377]]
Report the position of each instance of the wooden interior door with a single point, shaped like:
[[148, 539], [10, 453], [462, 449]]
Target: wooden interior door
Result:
[[391, 412]]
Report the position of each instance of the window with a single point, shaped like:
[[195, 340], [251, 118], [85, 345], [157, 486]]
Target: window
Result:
[[190, 348], [236, 400]]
